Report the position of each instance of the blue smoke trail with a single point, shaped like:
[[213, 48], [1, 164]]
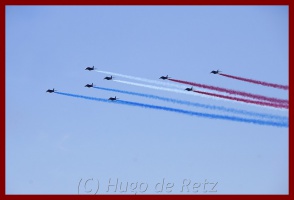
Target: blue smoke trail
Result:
[[212, 116], [236, 111]]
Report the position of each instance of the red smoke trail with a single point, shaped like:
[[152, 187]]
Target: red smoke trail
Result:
[[254, 96], [244, 100], [284, 87]]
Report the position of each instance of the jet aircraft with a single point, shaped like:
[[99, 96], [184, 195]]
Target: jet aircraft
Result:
[[112, 98], [189, 89], [50, 91], [89, 85], [90, 68], [108, 77], [215, 72], [164, 77]]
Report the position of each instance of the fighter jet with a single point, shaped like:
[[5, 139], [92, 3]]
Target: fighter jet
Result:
[[215, 72], [164, 77], [50, 91], [89, 85], [112, 98], [90, 68], [108, 77], [189, 89]]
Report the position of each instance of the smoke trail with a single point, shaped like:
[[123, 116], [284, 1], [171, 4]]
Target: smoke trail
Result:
[[198, 85], [211, 116], [142, 79], [185, 92], [158, 88], [262, 103], [254, 96], [232, 110], [284, 87]]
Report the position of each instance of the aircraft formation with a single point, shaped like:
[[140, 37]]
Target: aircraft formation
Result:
[[111, 77], [247, 98]]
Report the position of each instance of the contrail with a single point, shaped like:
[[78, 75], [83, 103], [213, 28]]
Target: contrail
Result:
[[284, 87], [143, 79], [254, 96], [186, 92], [262, 103], [211, 116], [188, 103]]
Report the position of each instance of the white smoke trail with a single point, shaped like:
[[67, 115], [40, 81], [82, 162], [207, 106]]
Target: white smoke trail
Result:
[[162, 88], [179, 86]]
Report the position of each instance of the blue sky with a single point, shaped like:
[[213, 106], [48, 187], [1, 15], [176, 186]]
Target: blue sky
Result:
[[54, 143]]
